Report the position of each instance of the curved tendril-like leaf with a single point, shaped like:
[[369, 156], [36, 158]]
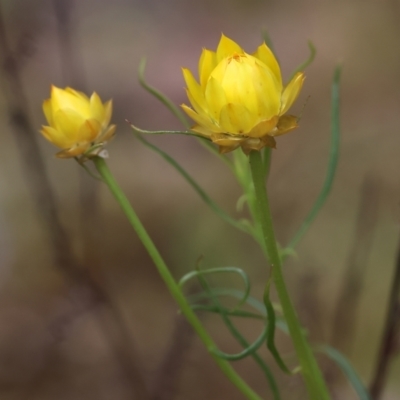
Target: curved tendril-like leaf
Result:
[[348, 370], [226, 217], [238, 294], [332, 164], [231, 313], [305, 64], [200, 273], [246, 352], [238, 336], [145, 132], [160, 96]]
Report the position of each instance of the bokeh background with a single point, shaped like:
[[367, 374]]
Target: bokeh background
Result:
[[112, 331]]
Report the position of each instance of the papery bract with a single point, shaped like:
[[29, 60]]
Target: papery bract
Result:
[[240, 100]]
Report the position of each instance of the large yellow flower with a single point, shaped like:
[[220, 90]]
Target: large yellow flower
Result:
[[240, 100], [77, 123]]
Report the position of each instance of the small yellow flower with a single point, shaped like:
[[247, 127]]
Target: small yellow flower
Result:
[[240, 100], [77, 124]]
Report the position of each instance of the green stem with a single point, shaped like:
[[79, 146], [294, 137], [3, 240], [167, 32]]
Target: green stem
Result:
[[169, 280], [312, 375]]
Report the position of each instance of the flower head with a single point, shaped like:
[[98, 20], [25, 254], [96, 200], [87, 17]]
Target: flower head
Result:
[[78, 125], [240, 100]]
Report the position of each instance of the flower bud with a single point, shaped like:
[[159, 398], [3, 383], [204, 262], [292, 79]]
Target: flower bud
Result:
[[77, 125], [240, 100]]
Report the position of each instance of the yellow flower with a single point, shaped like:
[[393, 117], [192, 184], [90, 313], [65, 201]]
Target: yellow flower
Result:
[[77, 124], [240, 100]]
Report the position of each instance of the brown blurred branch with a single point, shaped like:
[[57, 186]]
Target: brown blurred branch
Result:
[[74, 75], [391, 332], [42, 193], [166, 381], [346, 308]]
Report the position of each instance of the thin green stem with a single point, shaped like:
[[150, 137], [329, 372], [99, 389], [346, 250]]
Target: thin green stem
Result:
[[169, 279], [312, 375]]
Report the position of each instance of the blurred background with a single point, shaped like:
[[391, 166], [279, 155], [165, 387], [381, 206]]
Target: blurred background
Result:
[[83, 312]]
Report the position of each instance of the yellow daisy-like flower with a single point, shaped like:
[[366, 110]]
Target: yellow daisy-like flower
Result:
[[77, 124], [240, 100]]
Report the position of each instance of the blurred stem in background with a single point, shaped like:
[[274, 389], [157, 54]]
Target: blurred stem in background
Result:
[[73, 73], [42, 193], [353, 281], [391, 334]]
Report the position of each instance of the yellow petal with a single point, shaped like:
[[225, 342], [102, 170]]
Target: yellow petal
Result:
[[200, 110], [215, 98], [226, 143], [108, 134], [77, 93], [264, 54], [201, 130], [258, 143], [268, 91], [96, 107], [68, 122], [291, 92], [73, 151], [61, 99], [237, 81], [89, 131], [207, 62], [206, 123], [263, 128], [108, 107], [195, 91], [227, 47], [48, 111], [235, 119], [285, 124], [55, 137]]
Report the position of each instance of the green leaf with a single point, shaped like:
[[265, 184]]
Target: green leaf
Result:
[[348, 370], [271, 332], [143, 131], [160, 96], [221, 213], [305, 64], [332, 165]]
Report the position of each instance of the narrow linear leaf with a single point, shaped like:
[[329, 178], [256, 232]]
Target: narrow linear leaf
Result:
[[344, 364], [305, 64], [271, 334], [160, 96], [145, 132], [204, 196], [178, 114], [332, 165]]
